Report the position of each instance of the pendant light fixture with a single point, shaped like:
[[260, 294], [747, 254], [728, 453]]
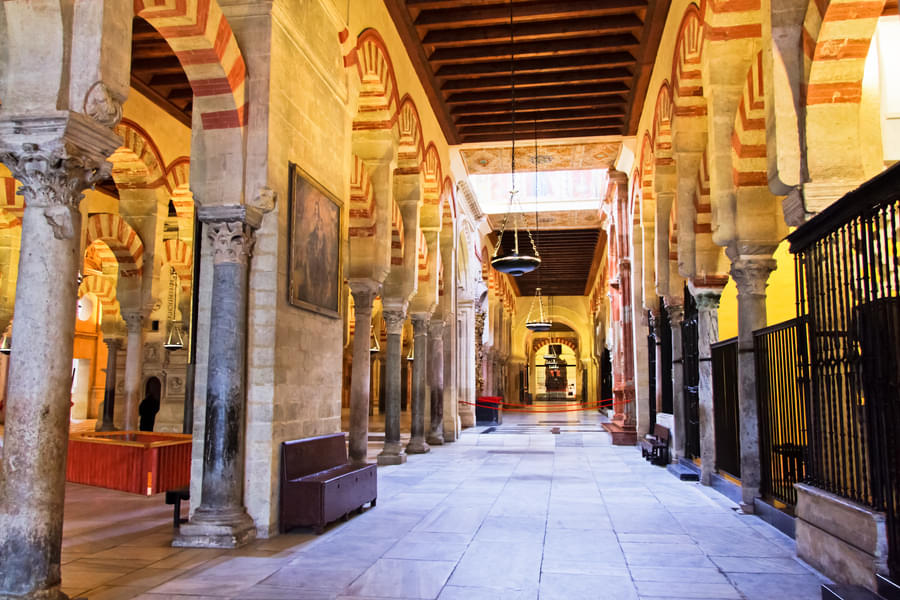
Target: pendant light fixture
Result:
[[514, 264], [538, 323], [175, 339]]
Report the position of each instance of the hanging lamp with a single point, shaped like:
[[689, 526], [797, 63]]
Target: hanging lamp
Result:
[[175, 339], [514, 264], [538, 323]]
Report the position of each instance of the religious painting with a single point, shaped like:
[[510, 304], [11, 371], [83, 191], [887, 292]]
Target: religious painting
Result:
[[315, 246]]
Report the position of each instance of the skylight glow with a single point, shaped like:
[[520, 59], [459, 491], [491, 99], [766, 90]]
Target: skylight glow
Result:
[[553, 191]]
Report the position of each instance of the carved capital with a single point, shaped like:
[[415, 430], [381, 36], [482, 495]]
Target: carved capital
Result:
[[112, 344], [752, 275], [232, 241], [363, 297], [420, 324], [676, 314], [436, 328], [133, 321], [707, 301], [394, 320], [53, 180]]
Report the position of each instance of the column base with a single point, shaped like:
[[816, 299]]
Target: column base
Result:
[[106, 427], [435, 439], [392, 454], [417, 445], [215, 531]]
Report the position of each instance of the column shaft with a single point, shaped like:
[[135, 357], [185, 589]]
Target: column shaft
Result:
[[751, 276], [436, 381], [676, 318], [134, 364], [221, 519], [107, 422], [360, 383], [708, 329], [417, 444], [392, 454]]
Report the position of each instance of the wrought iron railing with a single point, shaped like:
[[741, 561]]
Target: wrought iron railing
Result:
[[726, 413], [781, 384], [690, 363], [848, 269]]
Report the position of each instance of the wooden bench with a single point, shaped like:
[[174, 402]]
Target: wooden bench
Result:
[[318, 485], [655, 448], [175, 497]]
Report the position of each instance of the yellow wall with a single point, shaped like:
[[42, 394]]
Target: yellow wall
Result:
[[781, 296]]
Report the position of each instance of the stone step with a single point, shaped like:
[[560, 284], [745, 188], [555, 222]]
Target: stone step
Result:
[[837, 591], [887, 588], [683, 473]]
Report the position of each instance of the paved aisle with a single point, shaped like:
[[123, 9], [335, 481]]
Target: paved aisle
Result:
[[516, 513]]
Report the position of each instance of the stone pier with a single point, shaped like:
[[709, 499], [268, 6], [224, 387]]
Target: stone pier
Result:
[[708, 329], [107, 423], [676, 318], [417, 443], [393, 453], [360, 384], [221, 521]]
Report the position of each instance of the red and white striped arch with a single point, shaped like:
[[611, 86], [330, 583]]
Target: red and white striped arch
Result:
[[362, 202], [137, 164], [687, 84], [411, 147], [204, 43], [397, 233], [99, 259], [104, 289], [422, 255], [178, 178], [378, 98], [124, 241], [748, 142], [662, 127], [431, 196]]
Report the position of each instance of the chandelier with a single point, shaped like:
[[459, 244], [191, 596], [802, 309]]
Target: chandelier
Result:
[[514, 264], [539, 322]]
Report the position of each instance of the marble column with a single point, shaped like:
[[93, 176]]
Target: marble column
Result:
[[751, 275], [417, 443], [70, 157], [134, 366], [676, 318], [479, 354], [436, 381], [393, 453], [363, 295], [221, 520], [708, 330], [107, 422]]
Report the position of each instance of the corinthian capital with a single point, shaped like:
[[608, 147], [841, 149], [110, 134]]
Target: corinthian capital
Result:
[[752, 275], [393, 320], [232, 241]]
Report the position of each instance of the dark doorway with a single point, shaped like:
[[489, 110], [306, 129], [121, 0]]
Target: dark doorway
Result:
[[606, 384], [651, 366], [149, 406], [664, 337]]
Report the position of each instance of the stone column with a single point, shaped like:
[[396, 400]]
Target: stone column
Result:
[[708, 329], [107, 422], [465, 365], [479, 354], [751, 275], [417, 444], [221, 521], [69, 157], [363, 296], [436, 381], [676, 318], [393, 453], [134, 366]]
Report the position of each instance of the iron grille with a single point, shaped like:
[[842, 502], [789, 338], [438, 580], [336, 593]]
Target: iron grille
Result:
[[725, 406]]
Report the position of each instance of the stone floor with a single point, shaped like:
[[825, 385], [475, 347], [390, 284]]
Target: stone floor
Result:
[[517, 512]]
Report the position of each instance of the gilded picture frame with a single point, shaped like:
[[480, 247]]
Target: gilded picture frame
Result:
[[314, 238]]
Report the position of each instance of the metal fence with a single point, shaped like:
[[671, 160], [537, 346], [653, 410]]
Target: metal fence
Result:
[[781, 384], [725, 406], [848, 269], [690, 364]]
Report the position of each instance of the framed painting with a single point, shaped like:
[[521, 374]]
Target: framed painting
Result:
[[315, 246]]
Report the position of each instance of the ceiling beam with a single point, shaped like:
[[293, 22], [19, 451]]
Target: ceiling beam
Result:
[[533, 31], [403, 22], [485, 53], [536, 65], [545, 115], [552, 91], [160, 101], [504, 137], [654, 22], [539, 11], [505, 107], [525, 128], [523, 81]]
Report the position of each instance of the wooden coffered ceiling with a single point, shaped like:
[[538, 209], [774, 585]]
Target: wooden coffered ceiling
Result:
[[157, 73], [568, 261], [582, 67]]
